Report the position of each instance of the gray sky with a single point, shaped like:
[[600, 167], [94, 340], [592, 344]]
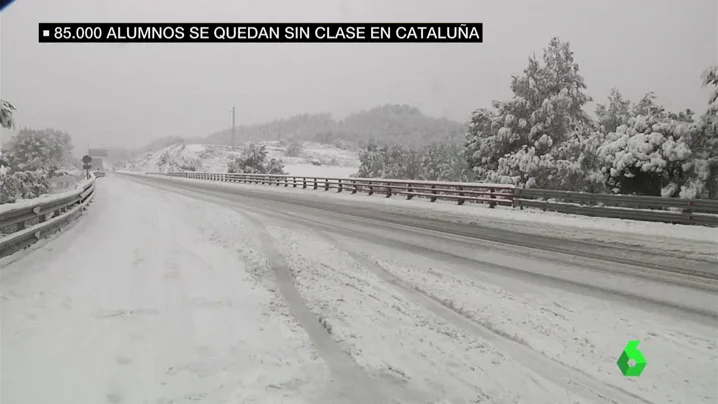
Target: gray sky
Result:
[[112, 95]]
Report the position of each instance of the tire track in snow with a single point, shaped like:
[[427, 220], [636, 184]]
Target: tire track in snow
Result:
[[553, 371], [662, 303], [556, 372], [570, 378], [352, 384]]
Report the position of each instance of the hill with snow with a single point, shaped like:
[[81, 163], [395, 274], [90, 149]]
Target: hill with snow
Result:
[[311, 159], [387, 124]]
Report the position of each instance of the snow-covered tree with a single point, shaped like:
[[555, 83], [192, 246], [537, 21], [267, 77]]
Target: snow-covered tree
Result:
[[254, 160], [707, 147], [6, 118], [387, 161], [294, 148], [655, 153], [541, 137], [438, 161], [22, 185], [614, 114], [31, 150]]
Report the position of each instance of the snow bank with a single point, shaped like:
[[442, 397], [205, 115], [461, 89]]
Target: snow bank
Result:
[[576, 329], [42, 199], [132, 305], [395, 339], [683, 239]]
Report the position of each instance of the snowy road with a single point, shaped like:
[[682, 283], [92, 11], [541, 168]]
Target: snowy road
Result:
[[180, 291]]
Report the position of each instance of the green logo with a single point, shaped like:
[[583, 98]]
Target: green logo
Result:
[[631, 354]]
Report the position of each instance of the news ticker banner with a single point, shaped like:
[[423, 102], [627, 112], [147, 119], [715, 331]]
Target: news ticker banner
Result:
[[261, 32]]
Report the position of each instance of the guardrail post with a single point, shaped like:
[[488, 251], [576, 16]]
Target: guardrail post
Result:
[[304, 182], [340, 186], [689, 210], [461, 200], [371, 189], [286, 182], [294, 182], [433, 191], [492, 204], [326, 184], [316, 185], [409, 191], [354, 187], [388, 190]]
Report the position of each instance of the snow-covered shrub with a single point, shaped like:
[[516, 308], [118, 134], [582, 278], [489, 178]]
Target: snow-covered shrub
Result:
[[22, 185], [294, 148], [29, 162], [443, 162], [647, 157], [190, 164], [31, 150], [658, 153], [388, 162], [254, 160], [207, 153]]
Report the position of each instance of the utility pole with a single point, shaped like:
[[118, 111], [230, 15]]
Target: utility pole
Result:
[[233, 115]]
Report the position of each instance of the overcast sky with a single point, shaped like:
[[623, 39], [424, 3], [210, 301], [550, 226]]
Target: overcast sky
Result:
[[113, 95]]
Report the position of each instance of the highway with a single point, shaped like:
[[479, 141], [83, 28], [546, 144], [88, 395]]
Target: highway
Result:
[[186, 291]]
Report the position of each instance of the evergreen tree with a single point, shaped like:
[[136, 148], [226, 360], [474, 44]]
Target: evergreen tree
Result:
[[541, 137]]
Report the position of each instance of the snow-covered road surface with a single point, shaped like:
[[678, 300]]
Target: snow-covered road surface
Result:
[[171, 293]]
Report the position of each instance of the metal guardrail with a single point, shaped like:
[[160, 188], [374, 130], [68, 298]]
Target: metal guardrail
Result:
[[492, 194], [23, 223], [635, 207], [645, 208]]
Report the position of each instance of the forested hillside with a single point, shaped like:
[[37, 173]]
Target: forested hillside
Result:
[[390, 124]]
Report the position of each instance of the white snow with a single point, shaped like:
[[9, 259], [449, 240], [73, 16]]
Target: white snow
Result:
[[393, 337], [308, 170], [42, 199], [159, 297], [214, 158], [683, 239], [133, 305], [578, 330]]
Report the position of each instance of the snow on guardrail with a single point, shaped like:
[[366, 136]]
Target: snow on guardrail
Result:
[[644, 208], [24, 222]]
